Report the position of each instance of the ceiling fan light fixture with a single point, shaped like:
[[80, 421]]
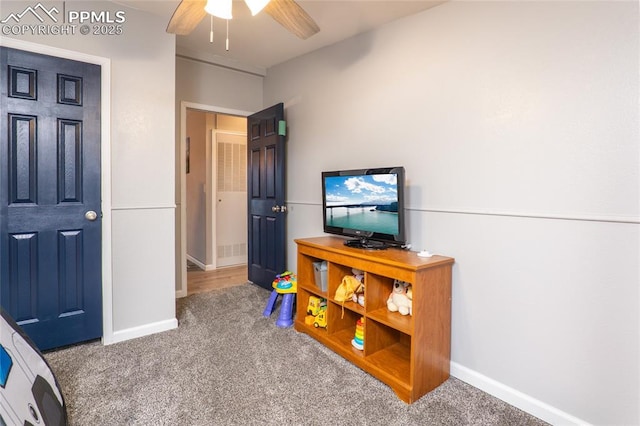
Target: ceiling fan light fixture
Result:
[[219, 8], [255, 6]]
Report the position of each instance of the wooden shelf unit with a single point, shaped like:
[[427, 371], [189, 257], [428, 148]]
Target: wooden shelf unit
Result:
[[409, 353]]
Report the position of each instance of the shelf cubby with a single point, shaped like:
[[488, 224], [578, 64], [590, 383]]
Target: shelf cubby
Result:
[[306, 278]]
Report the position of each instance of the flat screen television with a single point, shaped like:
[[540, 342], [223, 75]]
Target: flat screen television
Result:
[[367, 204]]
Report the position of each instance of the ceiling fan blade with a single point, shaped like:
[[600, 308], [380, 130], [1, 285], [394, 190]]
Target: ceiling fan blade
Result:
[[292, 16], [186, 17]]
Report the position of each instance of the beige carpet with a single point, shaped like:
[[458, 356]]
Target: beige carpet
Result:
[[226, 364]]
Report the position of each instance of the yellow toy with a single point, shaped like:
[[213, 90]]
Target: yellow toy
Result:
[[321, 319], [347, 288], [315, 304], [317, 312]]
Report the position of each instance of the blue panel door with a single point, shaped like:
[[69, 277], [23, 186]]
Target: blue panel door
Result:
[[50, 220], [266, 196]]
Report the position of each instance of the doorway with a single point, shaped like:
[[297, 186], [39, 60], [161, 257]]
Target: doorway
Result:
[[212, 202]]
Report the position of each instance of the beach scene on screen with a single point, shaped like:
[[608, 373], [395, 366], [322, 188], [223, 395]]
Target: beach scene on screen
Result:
[[363, 202]]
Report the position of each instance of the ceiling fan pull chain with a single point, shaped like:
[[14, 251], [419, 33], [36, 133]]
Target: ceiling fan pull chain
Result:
[[211, 32], [227, 35]]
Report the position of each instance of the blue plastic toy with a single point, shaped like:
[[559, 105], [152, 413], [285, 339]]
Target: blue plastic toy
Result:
[[287, 285]]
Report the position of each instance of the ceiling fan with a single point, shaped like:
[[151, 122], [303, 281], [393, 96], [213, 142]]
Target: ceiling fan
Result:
[[287, 13]]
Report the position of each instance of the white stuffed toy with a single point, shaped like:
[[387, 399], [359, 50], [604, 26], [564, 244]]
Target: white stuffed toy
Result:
[[400, 298]]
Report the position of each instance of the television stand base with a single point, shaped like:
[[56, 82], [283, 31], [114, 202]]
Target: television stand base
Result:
[[364, 243]]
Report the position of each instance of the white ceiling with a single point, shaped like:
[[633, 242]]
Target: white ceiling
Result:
[[258, 42]]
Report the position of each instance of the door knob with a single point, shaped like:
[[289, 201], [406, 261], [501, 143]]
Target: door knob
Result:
[[91, 215], [275, 209]]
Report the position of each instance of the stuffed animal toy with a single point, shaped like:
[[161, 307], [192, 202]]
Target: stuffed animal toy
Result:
[[358, 296], [399, 300], [358, 274], [347, 288]]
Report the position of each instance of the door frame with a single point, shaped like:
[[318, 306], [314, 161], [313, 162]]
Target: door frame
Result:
[[181, 229], [105, 173]]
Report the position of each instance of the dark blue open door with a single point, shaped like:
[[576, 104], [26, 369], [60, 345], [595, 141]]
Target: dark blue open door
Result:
[[50, 219], [266, 195]]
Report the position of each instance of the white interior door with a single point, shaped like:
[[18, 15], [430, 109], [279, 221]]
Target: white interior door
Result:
[[231, 198]]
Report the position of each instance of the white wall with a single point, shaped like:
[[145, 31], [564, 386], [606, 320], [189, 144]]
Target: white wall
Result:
[[517, 123], [196, 186], [140, 297], [204, 83]]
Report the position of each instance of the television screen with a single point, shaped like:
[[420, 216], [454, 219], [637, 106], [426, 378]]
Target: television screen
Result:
[[367, 204]]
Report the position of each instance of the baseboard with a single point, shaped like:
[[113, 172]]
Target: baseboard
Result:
[[196, 262], [143, 330], [514, 397], [202, 266]]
